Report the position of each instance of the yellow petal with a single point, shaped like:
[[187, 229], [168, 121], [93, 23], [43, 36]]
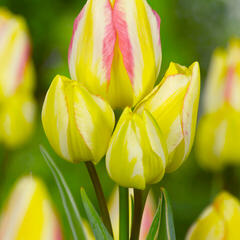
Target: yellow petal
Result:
[[28, 213], [17, 115], [209, 226]]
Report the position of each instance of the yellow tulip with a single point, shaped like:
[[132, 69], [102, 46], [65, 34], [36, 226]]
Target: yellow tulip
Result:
[[137, 154], [78, 124], [16, 68], [217, 142], [17, 115], [115, 50], [219, 128], [174, 105], [219, 221], [29, 214]]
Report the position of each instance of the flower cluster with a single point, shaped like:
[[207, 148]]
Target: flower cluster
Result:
[[114, 62], [17, 106], [221, 119]]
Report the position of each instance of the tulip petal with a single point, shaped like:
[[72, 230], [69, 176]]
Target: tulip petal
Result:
[[29, 213], [209, 226], [138, 28], [92, 46]]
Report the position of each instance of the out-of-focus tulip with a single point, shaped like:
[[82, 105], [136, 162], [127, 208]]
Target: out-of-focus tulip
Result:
[[78, 124], [16, 68], [219, 128], [17, 115], [218, 138], [113, 206], [137, 153], [174, 105], [29, 214], [219, 221], [115, 50]]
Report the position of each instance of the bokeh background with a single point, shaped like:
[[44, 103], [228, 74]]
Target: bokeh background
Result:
[[190, 30]]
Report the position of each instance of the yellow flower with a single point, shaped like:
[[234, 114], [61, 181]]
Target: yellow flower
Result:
[[78, 124], [16, 68], [28, 213], [137, 154], [219, 221], [217, 142], [115, 50], [219, 128], [17, 115], [174, 105]]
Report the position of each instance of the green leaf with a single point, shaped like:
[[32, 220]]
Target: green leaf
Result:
[[69, 204], [156, 221], [167, 229], [96, 223]]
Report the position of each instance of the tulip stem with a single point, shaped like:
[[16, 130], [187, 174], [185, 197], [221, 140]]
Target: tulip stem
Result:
[[100, 196], [139, 203], [123, 214]]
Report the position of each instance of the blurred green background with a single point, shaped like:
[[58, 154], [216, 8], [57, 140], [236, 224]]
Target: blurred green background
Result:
[[190, 30]]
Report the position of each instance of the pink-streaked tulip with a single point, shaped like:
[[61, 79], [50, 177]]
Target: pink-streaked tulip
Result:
[[115, 50], [16, 68], [29, 214], [223, 82]]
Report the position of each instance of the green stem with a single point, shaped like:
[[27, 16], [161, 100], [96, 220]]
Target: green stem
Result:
[[100, 196], [3, 167], [123, 213], [217, 184], [139, 203]]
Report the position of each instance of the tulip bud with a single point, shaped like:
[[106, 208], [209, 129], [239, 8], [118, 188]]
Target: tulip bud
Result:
[[223, 82], [78, 124], [174, 105], [137, 154], [115, 50], [217, 142], [28, 213], [17, 115], [16, 68], [218, 221]]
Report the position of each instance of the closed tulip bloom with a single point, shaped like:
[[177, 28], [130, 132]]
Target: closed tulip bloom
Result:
[[17, 115], [77, 124], [217, 143], [115, 50], [218, 221], [174, 105], [28, 213], [219, 128], [223, 82], [137, 154], [16, 68]]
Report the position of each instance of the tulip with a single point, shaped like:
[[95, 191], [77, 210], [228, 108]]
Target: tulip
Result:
[[115, 50], [174, 105], [28, 213], [219, 127], [16, 68], [17, 115], [137, 154], [77, 124], [217, 142], [218, 221]]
